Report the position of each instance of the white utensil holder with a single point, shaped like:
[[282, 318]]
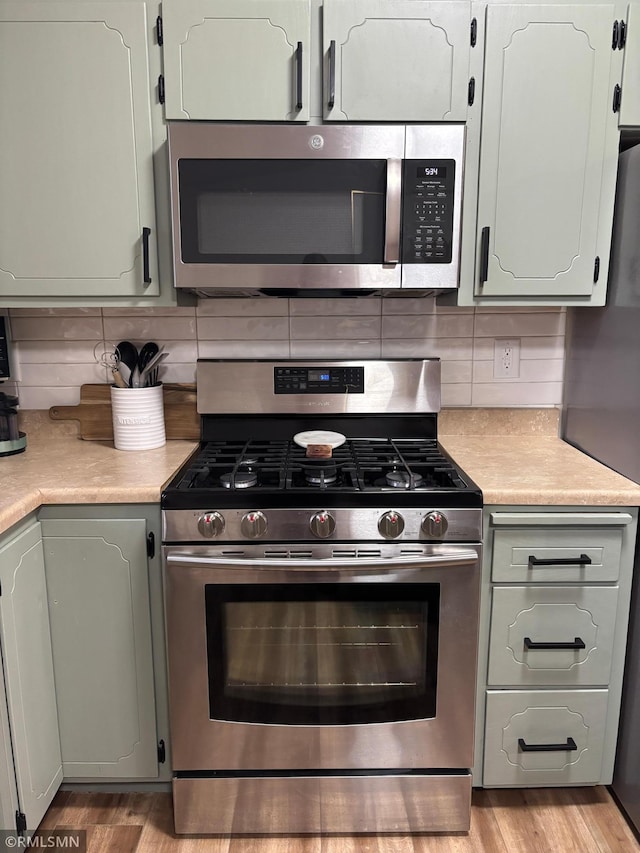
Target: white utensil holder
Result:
[[138, 418]]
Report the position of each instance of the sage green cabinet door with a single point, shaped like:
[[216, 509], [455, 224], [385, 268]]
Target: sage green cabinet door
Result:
[[406, 60], [76, 173], [236, 60], [546, 158], [630, 105], [101, 636], [28, 673]]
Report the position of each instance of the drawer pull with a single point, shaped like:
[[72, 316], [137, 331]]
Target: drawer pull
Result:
[[576, 644], [569, 746], [582, 560]]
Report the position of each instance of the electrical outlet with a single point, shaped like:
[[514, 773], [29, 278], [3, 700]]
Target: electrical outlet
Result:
[[506, 358]]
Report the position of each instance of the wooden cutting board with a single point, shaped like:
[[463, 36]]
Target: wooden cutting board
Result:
[[94, 412]]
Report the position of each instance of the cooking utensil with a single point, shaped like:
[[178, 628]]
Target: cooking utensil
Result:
[[128, 355], [146, 354], [319, 436], [152, 366]]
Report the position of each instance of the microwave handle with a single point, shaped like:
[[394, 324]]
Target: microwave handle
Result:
[[393, 211]]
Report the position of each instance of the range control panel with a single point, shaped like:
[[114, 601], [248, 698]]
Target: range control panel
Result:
[[318, 380], [427, 216]]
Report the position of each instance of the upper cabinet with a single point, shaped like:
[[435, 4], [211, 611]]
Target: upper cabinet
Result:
[[77, 217], [548, 155], [252, 60]]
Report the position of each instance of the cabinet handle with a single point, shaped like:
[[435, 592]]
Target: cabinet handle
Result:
[[582, 560], [578, 643], [332, 75], [299, 76], [569, 746], [484, 254], [146, 274]]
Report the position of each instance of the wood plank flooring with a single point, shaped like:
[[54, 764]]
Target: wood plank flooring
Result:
[[535, 820]]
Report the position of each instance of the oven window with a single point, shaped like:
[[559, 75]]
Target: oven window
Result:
[[326, 654], [282, 211]]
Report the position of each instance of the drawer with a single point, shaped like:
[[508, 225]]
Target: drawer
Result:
[[523, 617], [568, 724], [517, 552]]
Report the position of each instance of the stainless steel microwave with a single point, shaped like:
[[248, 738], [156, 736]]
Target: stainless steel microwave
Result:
[[328, 209]]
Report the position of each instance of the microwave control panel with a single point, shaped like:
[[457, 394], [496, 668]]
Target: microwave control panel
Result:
[[427, 214], [318, 380]]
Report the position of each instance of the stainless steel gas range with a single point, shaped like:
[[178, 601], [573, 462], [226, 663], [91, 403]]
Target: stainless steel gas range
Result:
[[322, 566]]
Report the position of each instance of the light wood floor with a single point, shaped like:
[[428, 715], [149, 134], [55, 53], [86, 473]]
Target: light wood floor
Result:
[[536, 820]]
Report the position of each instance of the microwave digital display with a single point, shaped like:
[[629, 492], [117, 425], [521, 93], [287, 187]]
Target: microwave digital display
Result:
[[432, 172]]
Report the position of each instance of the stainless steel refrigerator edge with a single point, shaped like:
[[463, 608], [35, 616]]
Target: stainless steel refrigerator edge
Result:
[[601, 416]]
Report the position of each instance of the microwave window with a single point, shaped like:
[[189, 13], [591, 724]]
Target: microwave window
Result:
[[282, 211]]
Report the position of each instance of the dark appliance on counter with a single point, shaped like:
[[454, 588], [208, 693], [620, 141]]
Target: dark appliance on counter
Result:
[[12, 441], [322, 611], [601, 416], [306, 210]]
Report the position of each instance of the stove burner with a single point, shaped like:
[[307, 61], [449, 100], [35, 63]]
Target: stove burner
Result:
[[322, 472], [403, 480], [239, 480]]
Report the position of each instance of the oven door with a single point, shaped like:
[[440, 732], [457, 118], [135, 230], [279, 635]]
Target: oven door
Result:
[[289, 664]]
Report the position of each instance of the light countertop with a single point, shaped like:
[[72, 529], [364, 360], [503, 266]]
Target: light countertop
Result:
[[515, 459]]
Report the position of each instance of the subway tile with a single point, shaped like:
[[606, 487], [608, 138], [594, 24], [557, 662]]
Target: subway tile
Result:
[[454, 372], [408, 305], [362, 307], [533, 370], [517, 394], [181, 351], [511, 309], [551, 346], [32, 397], [243, 307], [433, 326], [47, 375], [167, 311], [54, 312], [335, 349], [243, 328], [452, 349], [243, 349], [56, 328], [47, 352], [169, 372], [139, 329], [453, 309], [514, 325], [456, 395], [334, 328]]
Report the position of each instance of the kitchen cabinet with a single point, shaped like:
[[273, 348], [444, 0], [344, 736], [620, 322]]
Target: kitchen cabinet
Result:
[[31, 765], [629, 115], [555, 601], [99, 609], [247, 60], [77, 149], [548, 162]]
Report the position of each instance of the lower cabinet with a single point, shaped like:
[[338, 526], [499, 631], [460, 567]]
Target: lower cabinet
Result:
[[555, 604]]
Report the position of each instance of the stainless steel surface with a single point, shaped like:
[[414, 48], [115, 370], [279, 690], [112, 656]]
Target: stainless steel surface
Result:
[[264, 805], [322, 524], [393, 212], [253, 524], [444, 741], [435, 525], [389, 142], [391, 525], [352, 525], [601, 416], [400, 386], [210, 524]]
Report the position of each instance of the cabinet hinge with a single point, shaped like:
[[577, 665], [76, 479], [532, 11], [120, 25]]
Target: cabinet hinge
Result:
[[159, 32], [622, 35], [161, 88], [21, 823], [162, 752], [615, 36], [472, 91], [151, 545], [596, 270], [474, 32], [617, 98]]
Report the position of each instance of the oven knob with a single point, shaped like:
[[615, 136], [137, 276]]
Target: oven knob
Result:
[[435, 525], [253, 524], [322, 524], [211, 524], [391, 525]]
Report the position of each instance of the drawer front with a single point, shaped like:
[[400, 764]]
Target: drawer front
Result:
[[570, 724], [517, 552], [579, 623]]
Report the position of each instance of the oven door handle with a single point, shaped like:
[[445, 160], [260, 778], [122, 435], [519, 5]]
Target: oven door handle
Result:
[[393, 212], [459, 558]]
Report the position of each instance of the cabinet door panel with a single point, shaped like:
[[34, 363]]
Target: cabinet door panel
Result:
[[630, 106], [76, 172], [101, 636], [28, 673], [401, 61], [235, 59], [547, 101]]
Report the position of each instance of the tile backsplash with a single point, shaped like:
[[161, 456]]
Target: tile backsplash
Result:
[[54, 348]]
